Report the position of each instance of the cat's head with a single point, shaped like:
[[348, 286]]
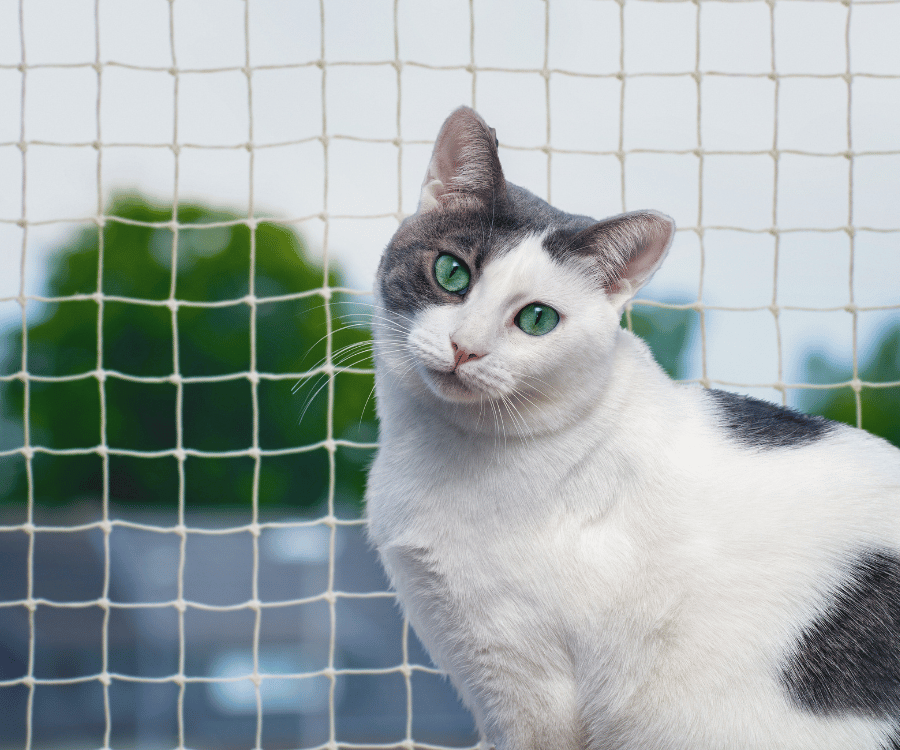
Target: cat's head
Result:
[[494, 303]]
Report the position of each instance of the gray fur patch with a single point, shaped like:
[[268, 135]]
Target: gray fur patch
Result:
[[760, 424], [848, 659], [474, 234]]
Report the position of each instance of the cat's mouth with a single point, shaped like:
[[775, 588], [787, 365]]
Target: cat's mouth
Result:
[[448, 385]]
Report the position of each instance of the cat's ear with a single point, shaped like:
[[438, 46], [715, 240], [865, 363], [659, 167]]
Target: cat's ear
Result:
[[626, 250], [465, 167]]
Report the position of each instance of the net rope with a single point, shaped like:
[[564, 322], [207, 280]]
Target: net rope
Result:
[[180, 529]]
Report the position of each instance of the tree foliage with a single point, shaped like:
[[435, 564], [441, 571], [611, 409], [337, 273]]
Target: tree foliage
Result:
[[667, 331], [880, 405], [141, 349]]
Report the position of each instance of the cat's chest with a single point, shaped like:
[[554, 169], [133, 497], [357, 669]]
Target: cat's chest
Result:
[[491, 535], [428, 491]]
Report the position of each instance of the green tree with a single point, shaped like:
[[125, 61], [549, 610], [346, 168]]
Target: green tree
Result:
[[880, 406], [209, 346], [667, 332]]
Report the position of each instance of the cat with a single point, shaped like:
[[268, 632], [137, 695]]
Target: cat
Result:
[[598, 557]]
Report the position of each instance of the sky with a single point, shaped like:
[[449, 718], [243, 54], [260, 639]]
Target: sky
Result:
[[363, 101]]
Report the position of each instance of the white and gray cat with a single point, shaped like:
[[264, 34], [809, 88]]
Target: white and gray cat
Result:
[[602, 559]]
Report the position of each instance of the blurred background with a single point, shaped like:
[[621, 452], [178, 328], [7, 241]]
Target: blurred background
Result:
[[194, 195]]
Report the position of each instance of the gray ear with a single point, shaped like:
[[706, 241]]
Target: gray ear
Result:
[[464, 168], [626, 250]]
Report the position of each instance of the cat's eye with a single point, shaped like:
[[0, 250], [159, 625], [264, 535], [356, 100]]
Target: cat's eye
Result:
[[451, 273], [536, 319]]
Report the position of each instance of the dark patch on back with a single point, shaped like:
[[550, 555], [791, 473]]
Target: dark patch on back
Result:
[[893, 742], [760, 424], [848, 659]]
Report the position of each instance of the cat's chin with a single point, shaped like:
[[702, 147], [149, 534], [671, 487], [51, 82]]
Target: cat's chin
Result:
[[449, 387]]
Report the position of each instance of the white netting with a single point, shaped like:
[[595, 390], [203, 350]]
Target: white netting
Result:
[[541, 148]]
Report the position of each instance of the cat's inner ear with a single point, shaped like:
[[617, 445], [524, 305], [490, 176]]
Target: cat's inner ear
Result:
[[626, 250], [465, 168]]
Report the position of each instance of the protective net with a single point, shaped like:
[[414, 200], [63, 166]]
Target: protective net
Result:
[[674, 93]]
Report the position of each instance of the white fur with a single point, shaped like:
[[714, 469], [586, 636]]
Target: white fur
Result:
[[581, 548]]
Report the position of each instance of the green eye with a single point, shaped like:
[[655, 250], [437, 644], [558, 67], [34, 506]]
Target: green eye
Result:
[[536, 319], [452, 274]]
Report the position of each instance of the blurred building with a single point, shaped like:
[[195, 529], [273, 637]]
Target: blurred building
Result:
[[146, 641]]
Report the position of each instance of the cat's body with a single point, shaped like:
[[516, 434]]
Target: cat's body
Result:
[[599, 558]]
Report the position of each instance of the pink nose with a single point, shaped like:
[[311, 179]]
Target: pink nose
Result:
[[461, 356]]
